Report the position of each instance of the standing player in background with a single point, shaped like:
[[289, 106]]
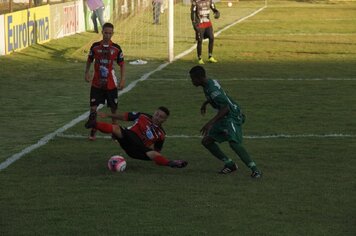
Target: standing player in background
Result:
[[224, 126], [199, 14], [144, 139], [104, 84]]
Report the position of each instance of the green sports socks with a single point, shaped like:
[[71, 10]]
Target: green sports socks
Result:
[[216, 151], [244, 156]]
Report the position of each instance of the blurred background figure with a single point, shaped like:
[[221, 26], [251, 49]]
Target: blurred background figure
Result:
[[97, 8], [156, 4]]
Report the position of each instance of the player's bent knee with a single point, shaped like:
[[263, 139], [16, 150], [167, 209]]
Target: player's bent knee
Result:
[[117, 131], [152, 154], [233, 144]]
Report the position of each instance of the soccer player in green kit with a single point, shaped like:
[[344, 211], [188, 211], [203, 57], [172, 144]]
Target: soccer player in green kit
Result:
[[224, 126]]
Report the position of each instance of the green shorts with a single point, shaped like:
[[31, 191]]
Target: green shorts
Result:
[[226, 130]]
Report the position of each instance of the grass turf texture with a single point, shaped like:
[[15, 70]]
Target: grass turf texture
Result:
[[308, 188]]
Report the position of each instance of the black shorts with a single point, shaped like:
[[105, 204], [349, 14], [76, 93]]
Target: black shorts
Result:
[[204, 33], [133, 145], [99, 96]]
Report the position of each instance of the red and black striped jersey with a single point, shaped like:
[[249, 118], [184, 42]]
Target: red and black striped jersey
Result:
[[105, 56], [148, 132], [200, 10]]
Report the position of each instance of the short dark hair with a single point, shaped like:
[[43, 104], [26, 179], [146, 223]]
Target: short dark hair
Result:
[[108, 25], [198, 72], [164, 109]]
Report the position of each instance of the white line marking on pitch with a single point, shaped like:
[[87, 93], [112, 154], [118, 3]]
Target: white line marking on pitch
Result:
[[82, 117], [271, 136], [268, 79]]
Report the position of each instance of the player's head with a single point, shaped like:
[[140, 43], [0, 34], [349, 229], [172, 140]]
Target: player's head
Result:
[[107, 31], [198, 75], [160, 115], [108, 25]]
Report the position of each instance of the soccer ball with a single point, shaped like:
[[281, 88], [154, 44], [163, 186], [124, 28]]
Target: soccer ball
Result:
[[117, 163], [229, 4]]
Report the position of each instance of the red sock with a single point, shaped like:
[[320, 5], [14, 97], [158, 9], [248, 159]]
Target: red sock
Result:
[[161, 161], [104, 127]]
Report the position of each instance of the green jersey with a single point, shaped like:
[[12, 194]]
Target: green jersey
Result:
[[219, 99]]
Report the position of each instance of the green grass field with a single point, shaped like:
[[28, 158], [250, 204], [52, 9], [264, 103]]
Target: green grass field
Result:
[[292, 68]]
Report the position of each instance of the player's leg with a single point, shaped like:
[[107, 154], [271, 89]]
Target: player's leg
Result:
[[210, 35], [235, 142], [161, 160], [245, 157], [100, 15], [156, 12], [97, 97], [135, 148], [113, 111], [108, 128], [92, 118], [199, 38], [92, 115], [93, 18], [210, 144], [112, 101]]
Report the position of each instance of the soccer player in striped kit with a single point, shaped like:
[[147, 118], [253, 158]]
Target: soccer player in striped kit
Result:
[[200, 16], [144, 139], [104, 84]]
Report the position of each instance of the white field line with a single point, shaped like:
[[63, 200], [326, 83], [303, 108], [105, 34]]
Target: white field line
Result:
[[222, 30], [48, 137], [266, 79], [271, 136], [322, 20], [242, 19], [80, 118], [296, 79], [297, 34]]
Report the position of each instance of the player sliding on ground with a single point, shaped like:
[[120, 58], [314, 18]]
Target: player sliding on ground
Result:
[[144, 139], [225, 125]]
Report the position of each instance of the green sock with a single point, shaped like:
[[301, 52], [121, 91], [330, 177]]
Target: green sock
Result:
[[244, 156], [216, 151]]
